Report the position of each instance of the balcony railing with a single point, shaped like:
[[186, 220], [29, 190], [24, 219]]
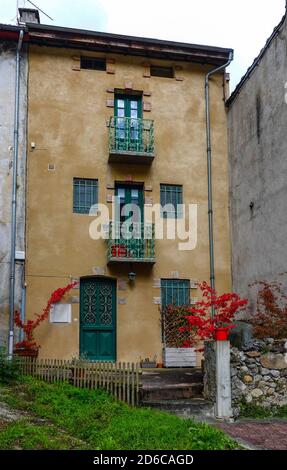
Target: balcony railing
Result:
[[132, 139], [134, 244]]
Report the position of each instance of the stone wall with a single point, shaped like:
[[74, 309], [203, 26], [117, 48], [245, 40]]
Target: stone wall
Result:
[[257, 121], [209, 376], [259, 374]]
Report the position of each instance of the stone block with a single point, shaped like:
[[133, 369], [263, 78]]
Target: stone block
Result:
[[241, 334], [274, 361], [253, 354], [247, 379], [256, 393]]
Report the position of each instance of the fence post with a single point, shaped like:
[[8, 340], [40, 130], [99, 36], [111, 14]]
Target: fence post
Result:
[[223, 381]]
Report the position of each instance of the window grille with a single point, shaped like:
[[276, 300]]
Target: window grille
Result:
[[85, 195], [171, 195]]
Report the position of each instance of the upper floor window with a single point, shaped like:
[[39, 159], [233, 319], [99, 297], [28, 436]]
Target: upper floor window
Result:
[[93, 63], [129, 106], [85, 194], [171, 200], [161, 71]]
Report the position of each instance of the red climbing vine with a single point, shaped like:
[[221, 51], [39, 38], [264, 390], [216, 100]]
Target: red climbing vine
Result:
[[29, 326]]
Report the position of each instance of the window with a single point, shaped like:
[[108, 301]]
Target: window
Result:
[[159, 71], [175, 292], [170, 197], [85, 195], [129, 106], [93, 63]]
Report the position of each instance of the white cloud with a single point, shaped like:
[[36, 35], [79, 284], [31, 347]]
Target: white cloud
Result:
[[243, 26]]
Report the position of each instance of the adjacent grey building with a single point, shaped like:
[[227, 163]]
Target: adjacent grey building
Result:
[[9, 36], [257, 129]]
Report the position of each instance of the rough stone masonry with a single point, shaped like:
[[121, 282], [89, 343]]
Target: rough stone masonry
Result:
[[258, 373]]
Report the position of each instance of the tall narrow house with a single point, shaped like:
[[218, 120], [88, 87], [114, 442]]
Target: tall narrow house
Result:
[[117, 120]]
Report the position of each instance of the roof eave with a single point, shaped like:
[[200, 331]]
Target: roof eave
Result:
[[56, 36]]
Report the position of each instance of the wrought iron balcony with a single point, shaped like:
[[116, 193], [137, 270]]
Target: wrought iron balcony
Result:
[[131, 140], [134, 244]]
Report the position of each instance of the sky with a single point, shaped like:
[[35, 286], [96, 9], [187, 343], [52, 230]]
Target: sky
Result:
[[241, 25]]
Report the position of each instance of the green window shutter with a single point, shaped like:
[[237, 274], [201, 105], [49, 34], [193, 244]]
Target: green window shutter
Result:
[[175, 292], [85, 192], [171, 195]]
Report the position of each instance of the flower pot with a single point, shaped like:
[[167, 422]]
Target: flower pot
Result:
[[221, 334], [26, 352], [148, 365]]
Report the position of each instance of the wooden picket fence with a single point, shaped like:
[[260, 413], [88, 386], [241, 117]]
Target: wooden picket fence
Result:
[[122, 380]]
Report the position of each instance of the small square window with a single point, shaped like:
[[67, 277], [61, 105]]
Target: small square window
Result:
[[93, 63], [85, 195], [159, 71], [175, 292], [171, 201]]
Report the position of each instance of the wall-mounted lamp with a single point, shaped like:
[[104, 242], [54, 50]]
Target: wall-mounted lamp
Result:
[[251, 205], [132, 276]]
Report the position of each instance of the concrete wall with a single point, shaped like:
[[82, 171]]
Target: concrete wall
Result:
[[68, 116], [257, 123], [7, 98]]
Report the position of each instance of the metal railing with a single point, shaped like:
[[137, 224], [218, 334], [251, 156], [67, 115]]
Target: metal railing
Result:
[[134, 243], [131, 136]]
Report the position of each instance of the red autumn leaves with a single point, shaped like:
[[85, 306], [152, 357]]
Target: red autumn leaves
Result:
[[199, 325], [29, 326]]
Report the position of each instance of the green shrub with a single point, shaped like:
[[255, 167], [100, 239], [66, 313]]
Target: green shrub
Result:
[[9, 368], [250, 410]]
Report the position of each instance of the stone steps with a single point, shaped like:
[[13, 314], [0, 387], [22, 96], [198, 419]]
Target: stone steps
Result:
[[172, 392], [196, 408], [178, 391]]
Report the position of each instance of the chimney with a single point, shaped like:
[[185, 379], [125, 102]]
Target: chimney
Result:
[[28, 15]]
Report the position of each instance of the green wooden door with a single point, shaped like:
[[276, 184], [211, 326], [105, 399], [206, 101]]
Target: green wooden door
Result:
[[130, 220], [98, 319], [129, 194], [128, 113]]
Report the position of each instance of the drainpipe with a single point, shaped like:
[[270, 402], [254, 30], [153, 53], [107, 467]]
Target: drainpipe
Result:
[[23, 302], [209, 172], [14, 198]]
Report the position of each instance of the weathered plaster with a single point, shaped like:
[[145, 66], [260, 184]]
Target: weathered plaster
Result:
[[7, 103], [257, 123], [67, 122]]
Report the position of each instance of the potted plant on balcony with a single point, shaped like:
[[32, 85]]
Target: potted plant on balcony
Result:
[[29, 347]]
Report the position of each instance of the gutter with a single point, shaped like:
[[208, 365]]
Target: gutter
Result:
[[209, 172], [14, 199]]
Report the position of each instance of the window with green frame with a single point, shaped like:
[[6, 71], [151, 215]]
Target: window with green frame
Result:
[[85, 194], [175, 292], [171, 196]]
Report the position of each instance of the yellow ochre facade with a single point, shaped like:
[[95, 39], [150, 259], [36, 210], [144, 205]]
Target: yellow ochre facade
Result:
[[68, 137]]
